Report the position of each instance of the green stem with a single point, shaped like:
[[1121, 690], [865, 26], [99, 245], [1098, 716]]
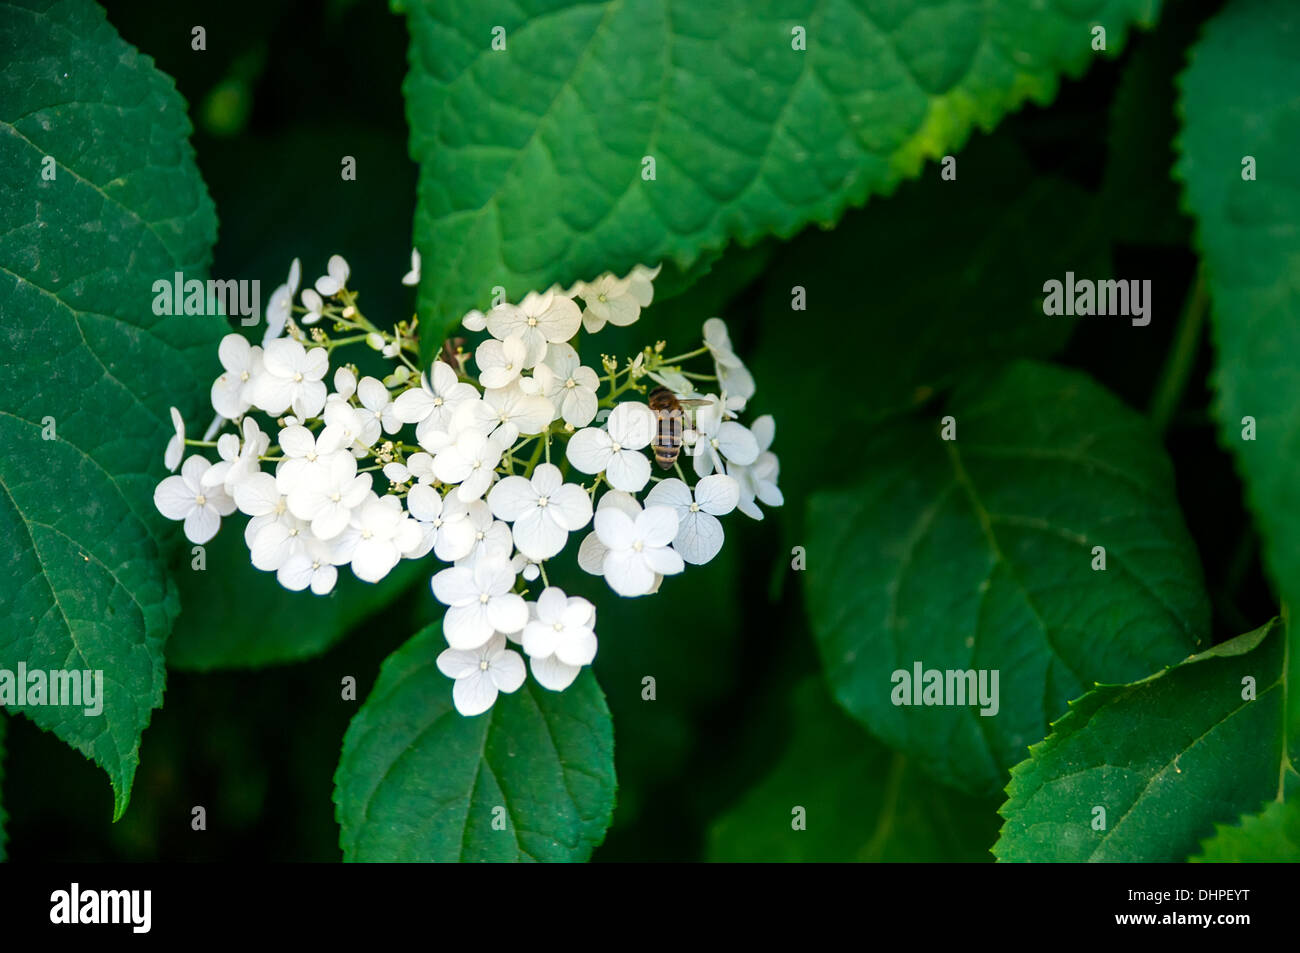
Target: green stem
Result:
[[1182, 357], [684, 357]]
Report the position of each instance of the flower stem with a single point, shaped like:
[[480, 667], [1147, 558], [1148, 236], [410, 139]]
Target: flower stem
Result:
[[1182, 356]]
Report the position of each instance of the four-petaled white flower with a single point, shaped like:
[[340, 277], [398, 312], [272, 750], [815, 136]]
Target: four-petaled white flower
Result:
[[314, 304], [431, 405], [378, 535], [481, 673], [544, 510], [617, 301], [184, 497], [539, 319], [699, 532], [279, 305], [717, 439], [331, 284], [291, 377], [237, 464], [733, 377], [470, 462], [480, 602], [500, 362], [758, 481], [617, 449], [637, 549], [176, 445], [326, 496], [568, 385], [232, 392], [504, 414], [310, 566], [562, 626]]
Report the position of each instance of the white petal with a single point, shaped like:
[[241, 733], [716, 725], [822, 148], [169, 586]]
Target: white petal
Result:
[[570, 507], [507, 613], [717, 494], [455, 587], [628, 470], [512, 498], [201, 524], [474, 694], [632, 425], [508, 671], [455, 663], [616, 529], [174, 498], [657, 525], [589, 450], [671, 493], [627, 573], [699, 538], [538, 536], [552, 674]]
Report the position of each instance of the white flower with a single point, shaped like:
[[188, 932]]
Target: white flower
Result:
[[733, 377], [504, 414], [544, 510], [176, 445], [718, 439], [337, 279], [568, 385], [232, 392], [418, 467], [237, 464], [412, 277], [431, 405], [314, 304], [291, 377], [616, 449], [278, 538], [616, 300], [481, 674], [488, 537], [561, 626], [480, 602], [280, 304], [470, 461], [758, 481], [538, 319], [500, 362], [699, 533], [185, 498], [591, 553], [378, 535], [326, 495], [302, 452], [637, 549], [345, 427], [311, 566]]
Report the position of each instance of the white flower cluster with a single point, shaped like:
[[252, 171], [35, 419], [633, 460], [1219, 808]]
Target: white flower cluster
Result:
[[478, 470]]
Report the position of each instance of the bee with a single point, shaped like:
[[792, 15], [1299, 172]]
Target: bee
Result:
[[668, 406]]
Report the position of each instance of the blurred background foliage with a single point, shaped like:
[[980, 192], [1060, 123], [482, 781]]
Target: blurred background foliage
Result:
[[936, 277]]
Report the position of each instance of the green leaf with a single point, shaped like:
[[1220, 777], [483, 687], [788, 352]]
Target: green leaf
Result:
[[918, 335], [89, 363], [862, 802], [1271, 836], [260, 623], [1166, 758], [977, 554], [1238, 100], [417, 781], [531, 157]]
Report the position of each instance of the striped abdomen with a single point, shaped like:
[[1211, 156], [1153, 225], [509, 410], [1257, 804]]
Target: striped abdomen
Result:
[[668, 434]]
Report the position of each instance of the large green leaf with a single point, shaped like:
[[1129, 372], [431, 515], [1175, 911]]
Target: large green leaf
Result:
[[236, 617], [532, 157], [418, 781], [1239, 99], [1271, 836], [1166, 758], [862, 801], [977, 554], [84, 353]]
